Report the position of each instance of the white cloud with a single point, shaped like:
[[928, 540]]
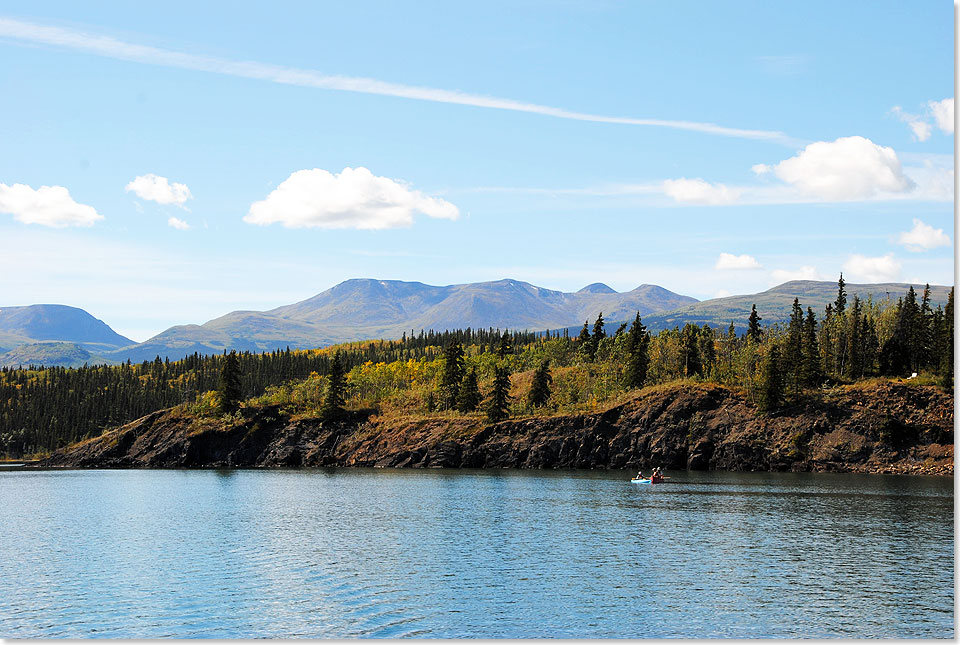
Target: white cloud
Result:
[[921, 129], [722, 293], [159, 189], [859, 268], [806, 272], [849, 168], [178, 224], [698, 191], [47, 206], [942, 112], [728, 261], [354, 198], [923, 237]]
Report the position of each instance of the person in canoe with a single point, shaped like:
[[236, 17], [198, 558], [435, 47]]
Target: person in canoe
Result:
[[639, 475], [657, 476]]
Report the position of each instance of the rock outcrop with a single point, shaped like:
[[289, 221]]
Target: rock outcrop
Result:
[[882, 427]]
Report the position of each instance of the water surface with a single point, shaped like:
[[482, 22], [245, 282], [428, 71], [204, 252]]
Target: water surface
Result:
[[382, 553]]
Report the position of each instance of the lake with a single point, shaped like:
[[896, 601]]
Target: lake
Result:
[[495, 554]]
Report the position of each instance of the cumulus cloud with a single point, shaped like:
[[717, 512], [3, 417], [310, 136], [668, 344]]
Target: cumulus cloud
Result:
[[728, 261], [47, 206], [921, 129], [849, 168], [942, 112], [159, 189], [354, 198], [698, 191], [923, 237], [860, 268], [806, 272], [178, 224]]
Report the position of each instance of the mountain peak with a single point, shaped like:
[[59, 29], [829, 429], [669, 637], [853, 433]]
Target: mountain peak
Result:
[[596, 287]]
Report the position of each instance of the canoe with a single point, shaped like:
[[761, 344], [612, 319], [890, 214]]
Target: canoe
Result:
[[640, 481]]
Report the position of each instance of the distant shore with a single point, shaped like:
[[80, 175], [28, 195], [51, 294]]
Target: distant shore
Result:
[[884, 427]]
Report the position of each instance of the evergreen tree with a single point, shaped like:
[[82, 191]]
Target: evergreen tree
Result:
[[452, 375], [229, 391], [689, 350], [470, 397], [811, 354], [947, 359], [706, 349], [335, 396], [841, 302], [753, 325], [853, 360], [598, 335], [539, 392], [771, 396], [793, 351], [638, 357], [498, 407], [584, 338], [505, 347]]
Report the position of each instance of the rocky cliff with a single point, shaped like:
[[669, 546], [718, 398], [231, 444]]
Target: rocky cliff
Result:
[[881, 427]]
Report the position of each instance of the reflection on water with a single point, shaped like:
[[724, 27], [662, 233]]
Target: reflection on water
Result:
[[341, 553]]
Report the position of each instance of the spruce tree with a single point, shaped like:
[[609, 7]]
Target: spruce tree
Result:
[[452, 375], [812, 373], [498, 407], [469, 398], [793, 352], [753, 325], [505, 347], [335, 396], [841, 302], [598, 335], [638, 355], [228, 392], [948, 344], [771, 396], [539, 392]]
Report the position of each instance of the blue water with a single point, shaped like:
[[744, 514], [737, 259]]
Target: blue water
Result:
[[378, 553]]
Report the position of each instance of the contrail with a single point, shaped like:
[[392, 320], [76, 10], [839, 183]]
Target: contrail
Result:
[[118, 49]]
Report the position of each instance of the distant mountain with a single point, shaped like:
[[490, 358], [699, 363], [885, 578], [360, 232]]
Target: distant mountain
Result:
[[366, 308], [34, 323], [774, 305], [51, 354]]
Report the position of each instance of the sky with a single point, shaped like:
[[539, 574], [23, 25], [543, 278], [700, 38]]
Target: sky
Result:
[[166, 163]]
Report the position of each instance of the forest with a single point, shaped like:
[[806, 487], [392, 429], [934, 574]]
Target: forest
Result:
[[492, 373]]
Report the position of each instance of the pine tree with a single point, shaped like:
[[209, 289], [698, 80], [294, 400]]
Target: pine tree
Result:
[[584, 338], [498, 407], [753, 325], [539, 392], [470, 397], [335, 396], [853, 360], [638, 357], [452, 375], [229, 392], [771, 396]]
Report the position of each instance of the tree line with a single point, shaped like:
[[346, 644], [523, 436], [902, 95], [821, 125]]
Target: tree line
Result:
[[494, 373]]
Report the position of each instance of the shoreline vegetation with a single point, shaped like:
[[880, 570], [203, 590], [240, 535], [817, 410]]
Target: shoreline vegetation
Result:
[[866, 387]]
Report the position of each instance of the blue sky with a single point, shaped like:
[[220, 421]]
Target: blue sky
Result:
[[202, 158]]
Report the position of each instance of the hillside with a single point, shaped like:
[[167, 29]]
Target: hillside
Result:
[[364, 308], [774, 304], [51, 354], [35, 323], [878, 427]]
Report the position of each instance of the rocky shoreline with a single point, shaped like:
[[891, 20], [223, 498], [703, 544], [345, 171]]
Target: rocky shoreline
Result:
[[885, 427]]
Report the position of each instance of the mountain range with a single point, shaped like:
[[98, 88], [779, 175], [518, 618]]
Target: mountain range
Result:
[[361, 309]]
